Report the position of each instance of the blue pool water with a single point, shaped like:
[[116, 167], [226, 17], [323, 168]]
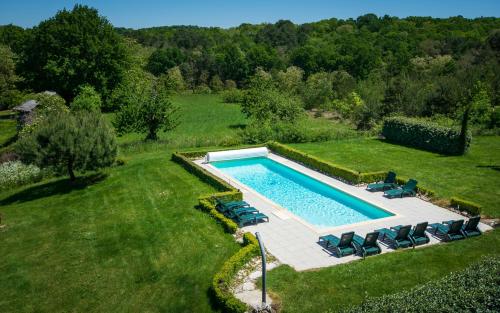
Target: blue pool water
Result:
[[315, 202]]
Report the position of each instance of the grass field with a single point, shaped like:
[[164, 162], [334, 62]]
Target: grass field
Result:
[[335, 288], [7, 128], [131, 242], [475, 176]]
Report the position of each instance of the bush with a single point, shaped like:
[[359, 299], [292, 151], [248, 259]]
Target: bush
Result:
[[201, 173], [208, 206], [327, 168], [87, 99], [16, 173], [424, 135], [232, 96], [475, 289], [468, 206], [221, 283]]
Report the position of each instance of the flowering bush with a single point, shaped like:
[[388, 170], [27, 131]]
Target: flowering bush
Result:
[[16, 173]]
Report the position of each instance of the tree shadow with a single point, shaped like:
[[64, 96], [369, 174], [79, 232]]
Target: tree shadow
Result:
[[238, 126], [58, 187], [493, 167]]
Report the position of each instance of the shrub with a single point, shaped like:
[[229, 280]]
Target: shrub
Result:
[[327, 168], [468, 206], [424, 135], [232, 95], [87, 99], [201, 173], [16, 173], [207, 206], [475, 289], [221, 283]]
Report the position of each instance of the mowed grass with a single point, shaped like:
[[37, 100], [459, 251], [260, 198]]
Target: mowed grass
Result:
[[204, 121], [7, 128], [128, 242], [336, 288], [474, 177]]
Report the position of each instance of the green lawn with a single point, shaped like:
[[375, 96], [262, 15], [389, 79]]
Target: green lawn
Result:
[[204, 121], [131, 242], [335, 288], [7, 128], [475, 176]]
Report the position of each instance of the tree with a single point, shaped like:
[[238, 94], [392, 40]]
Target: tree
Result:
[[172, 80], [9, 95], [74, 48], [290, 80], [149, 111], [81, 141], [87, 99], [317, 90], [163, 59], [216, 83]]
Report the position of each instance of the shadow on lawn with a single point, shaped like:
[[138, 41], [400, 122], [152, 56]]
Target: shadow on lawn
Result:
[[493, 167], [238, 126], [58, 187]]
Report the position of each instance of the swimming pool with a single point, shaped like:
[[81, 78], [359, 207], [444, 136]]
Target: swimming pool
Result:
[[315, 202]]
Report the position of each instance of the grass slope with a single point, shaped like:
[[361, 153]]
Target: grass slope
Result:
[[7, 128], [130, 242], [336, 288], [475, 176]]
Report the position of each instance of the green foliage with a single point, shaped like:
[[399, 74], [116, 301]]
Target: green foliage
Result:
[[162, 60], [149, 111], [207, 177], [87, 99], [216, 84], [290, 80], [9, 95], [423, 135], [70, 142], [16, 173], [173, 80], [267, 104], [130, 89], [317, 90], [322, 166], [48, 105], [207, 206], [467, 206], [232, 95], [221, 283], [71, 49], [474, 289]]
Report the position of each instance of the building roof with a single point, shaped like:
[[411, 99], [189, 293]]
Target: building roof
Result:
[[27, 106]]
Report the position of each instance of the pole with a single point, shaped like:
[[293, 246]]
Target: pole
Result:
[[263, 254]]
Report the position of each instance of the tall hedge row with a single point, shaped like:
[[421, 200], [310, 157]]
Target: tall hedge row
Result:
[[424, 135]]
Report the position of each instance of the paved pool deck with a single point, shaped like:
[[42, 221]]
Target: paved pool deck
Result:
[[295, 242]]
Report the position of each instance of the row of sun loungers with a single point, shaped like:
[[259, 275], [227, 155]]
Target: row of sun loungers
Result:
[[391, 189], [401, 236], [240, 211]]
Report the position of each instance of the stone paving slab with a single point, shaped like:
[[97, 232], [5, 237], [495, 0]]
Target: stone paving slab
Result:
[[295, 242]]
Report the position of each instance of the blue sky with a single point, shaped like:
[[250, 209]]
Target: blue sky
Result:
[[146, 13]]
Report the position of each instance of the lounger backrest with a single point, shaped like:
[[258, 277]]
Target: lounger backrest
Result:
[[410, 185], [371, 239], [472, 223], [346, 239], [391, 178], [403, 232], [419, 230], [456, 227]]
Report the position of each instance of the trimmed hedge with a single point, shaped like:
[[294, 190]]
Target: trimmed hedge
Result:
[[467, 206], [324, 167], [221, 283], [206, 205], [475, 289], [201, 173], [424, 135]]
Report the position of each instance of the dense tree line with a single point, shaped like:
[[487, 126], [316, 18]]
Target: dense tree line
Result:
[[363, 69]]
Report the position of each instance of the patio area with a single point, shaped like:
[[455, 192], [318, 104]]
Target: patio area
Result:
[[295, 242]]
